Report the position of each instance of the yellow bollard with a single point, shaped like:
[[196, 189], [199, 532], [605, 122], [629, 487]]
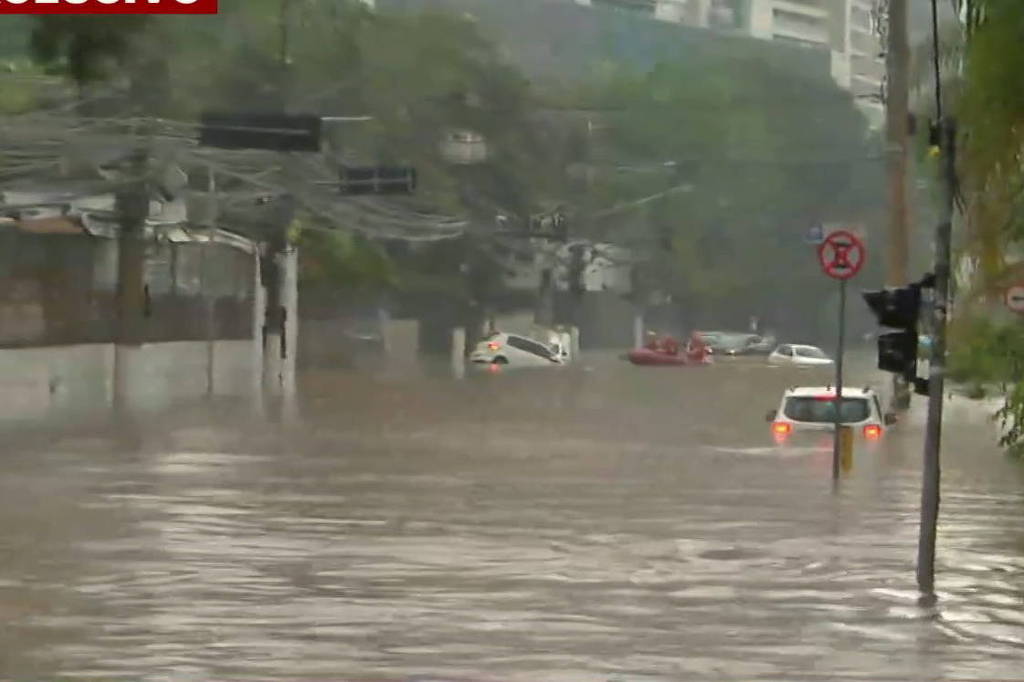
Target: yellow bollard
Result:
[[846, 448]]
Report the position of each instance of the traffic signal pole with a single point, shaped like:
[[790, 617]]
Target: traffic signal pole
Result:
[[937, 370], [945, 137]]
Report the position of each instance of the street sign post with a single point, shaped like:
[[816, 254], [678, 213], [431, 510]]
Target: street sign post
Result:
[[1015, 298], [841, 256]]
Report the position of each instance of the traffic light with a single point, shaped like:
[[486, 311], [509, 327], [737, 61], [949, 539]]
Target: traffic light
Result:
[[274, 132], [378, 180], [897, 353], [897, 309]]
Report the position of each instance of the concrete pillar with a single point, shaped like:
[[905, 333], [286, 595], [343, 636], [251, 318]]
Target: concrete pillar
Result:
[[574, 347], [275, 317], [205, 267], [132, 206], [259, 317], [290, 302], [638, 329], [458, 354]]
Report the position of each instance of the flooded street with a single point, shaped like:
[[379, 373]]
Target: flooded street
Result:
[[598, 523]]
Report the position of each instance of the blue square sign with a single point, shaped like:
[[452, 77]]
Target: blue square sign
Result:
[[815, 235]]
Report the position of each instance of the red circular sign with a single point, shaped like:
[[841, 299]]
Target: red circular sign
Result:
[[841, 255]]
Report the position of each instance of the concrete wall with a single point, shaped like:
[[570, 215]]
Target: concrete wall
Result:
[[76, 383]]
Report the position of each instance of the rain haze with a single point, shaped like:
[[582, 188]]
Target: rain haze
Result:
[[512, 340]]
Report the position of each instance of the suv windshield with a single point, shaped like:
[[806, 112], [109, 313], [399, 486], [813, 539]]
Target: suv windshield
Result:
[[810, 353], [820, 410]]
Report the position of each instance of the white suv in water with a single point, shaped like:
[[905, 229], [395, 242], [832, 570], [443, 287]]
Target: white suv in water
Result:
[[517, 350], [812, 408]]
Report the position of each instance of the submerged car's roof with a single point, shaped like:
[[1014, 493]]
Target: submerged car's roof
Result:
[[817, 391]]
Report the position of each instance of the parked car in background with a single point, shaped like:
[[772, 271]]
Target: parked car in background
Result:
[[760, 345], [516, 350], [725, 343], [799, 355]]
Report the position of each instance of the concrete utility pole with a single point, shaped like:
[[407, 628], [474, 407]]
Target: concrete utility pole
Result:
[[545, 314], [279, 265], [132, 206], [898, 138]]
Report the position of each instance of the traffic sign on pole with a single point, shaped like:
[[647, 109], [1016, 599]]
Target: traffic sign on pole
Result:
[[1015, 298], [841, 255], [815, 235]]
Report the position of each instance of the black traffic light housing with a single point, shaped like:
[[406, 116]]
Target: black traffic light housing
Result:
[[378, 180], [897, 353], [899, 309], [274, 132]]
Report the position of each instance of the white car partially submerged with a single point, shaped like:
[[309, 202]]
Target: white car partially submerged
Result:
[[812, 409], [517, 350], [800, 355]]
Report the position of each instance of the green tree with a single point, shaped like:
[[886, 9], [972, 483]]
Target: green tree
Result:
[[333, 260], [758, 156], [987, 346], [86, 48]]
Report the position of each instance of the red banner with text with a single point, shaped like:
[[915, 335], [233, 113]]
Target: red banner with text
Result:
[[108, 7]]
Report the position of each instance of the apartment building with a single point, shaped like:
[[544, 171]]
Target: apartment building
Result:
[[717, 14], [847, 28]]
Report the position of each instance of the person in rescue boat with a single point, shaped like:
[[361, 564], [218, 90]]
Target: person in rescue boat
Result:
[[696, 349], [661, 344], [669, 346]]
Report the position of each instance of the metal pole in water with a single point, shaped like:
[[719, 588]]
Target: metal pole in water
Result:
[[840, 348], [932, 474], [930, 488]]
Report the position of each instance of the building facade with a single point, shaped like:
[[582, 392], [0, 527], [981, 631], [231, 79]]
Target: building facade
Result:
[[848, 29]]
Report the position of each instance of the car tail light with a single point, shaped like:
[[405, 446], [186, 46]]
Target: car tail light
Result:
[[493, 345], [782, 428], [872, 431]]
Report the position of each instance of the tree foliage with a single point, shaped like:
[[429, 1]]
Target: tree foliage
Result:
[[342, 260], [987, 346], [992, 113], [420, 76], [754, 157], [767, 152], [87, 48]]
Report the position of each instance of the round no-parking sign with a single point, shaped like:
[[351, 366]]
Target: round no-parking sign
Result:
[[841, 255]]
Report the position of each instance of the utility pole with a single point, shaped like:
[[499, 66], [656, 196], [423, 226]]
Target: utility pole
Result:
[[944, 134], [545, 313], [279, 354], [898, 138], [132, 206]]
